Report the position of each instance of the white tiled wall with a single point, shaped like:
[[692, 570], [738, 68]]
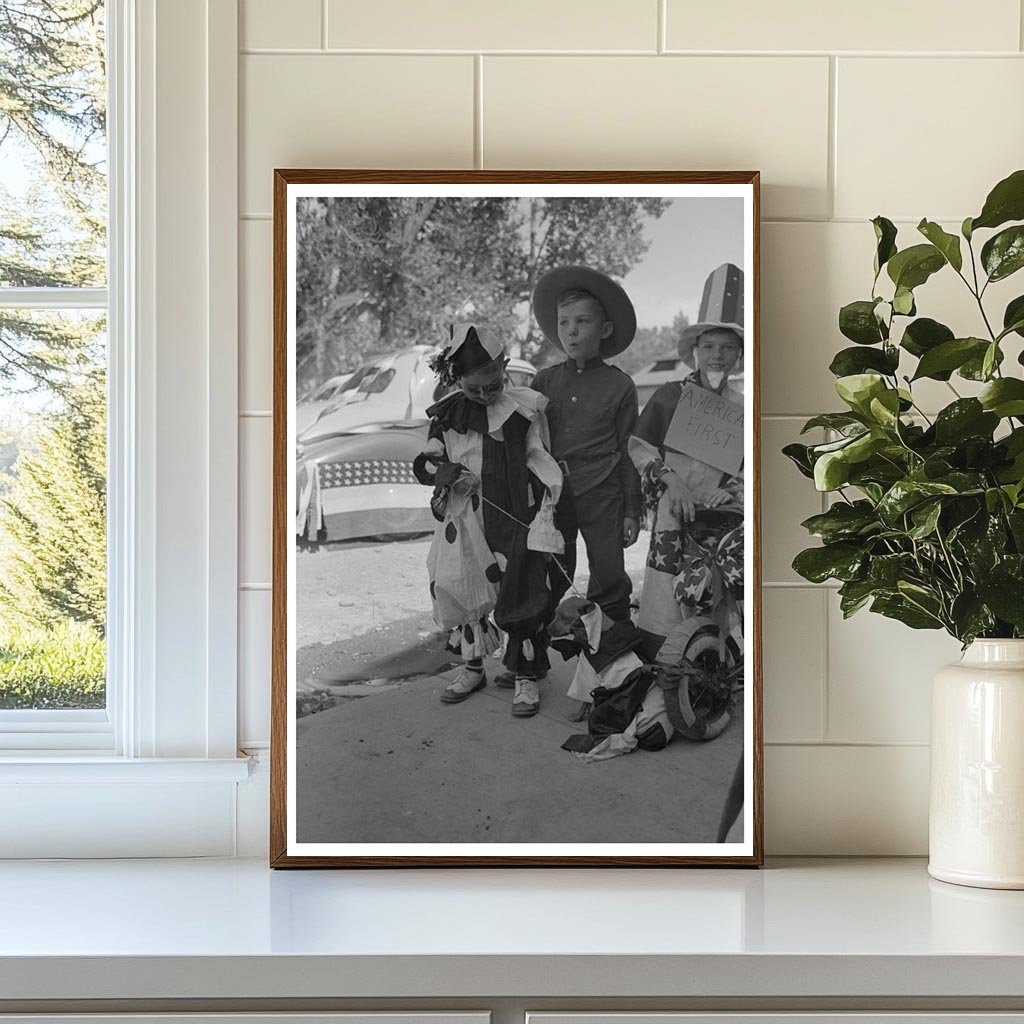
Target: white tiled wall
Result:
[[907, 109]]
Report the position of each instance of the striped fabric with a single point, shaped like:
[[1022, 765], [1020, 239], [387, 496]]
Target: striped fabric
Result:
[[722, 301]]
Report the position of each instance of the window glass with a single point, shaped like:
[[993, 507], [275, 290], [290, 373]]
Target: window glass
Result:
[[53, 226], [53, 153]]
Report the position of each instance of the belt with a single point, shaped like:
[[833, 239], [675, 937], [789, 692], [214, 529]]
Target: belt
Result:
[[586, 459]]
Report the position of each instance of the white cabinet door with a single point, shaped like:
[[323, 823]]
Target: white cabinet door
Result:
[[362, 1017]]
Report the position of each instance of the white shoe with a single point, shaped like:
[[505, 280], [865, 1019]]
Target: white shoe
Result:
[[466, 683], [526, 702]]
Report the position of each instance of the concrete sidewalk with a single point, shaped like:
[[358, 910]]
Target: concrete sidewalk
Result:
[[396, 765]]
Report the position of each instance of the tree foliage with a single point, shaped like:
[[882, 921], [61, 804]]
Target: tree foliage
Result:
[[652, 344], [52, 123], [53, 520], [928, 525], [52, 235], [377, 274]]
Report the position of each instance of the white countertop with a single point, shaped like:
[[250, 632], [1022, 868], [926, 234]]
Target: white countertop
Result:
[[234, 928]]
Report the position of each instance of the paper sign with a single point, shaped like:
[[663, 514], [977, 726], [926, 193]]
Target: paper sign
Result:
[[709, 428]]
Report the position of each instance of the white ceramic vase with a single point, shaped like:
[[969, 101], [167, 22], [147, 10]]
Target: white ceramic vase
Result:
[[976, 814]]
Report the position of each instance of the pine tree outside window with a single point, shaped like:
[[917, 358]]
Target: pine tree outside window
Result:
[[53, 366]]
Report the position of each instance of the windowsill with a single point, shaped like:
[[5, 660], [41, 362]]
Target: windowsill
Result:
[[77, 766], [824, 929]]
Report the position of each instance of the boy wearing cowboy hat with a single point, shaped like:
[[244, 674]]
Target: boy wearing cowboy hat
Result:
[[592, 411], [676, 484]]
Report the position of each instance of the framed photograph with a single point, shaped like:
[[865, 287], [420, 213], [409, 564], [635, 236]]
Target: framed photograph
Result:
[[516, 551]]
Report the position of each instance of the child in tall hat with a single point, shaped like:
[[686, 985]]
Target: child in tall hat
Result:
[[495, 485], [696, 555]]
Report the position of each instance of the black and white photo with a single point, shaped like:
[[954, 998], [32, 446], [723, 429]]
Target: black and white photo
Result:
[[516, 473]]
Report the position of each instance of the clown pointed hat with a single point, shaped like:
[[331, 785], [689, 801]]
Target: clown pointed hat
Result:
[[721, 306], [471, 347]]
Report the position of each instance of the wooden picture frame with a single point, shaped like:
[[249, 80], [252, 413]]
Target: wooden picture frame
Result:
[[414, 824]]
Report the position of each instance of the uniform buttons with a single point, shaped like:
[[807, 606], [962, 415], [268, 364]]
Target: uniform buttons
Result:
[[573, 399]]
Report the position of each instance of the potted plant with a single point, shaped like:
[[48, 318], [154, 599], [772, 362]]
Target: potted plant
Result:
[[927, 521]]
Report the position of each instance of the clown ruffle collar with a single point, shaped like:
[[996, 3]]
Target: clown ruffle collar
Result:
[[457, 412]]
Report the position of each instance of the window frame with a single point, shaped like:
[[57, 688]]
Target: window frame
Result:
[[172, 549]]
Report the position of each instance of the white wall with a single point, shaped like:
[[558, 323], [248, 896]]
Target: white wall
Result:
[[906, 109]]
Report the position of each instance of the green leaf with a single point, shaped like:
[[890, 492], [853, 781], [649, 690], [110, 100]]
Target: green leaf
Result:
[[925, 518], [974, 368], [858, 389], [854, 594], [990, 360], [1013, 317], [831, 471], [857, 321], [850, 361], [840, 561], [950, 355], [906, 494], [885, 237], [1005, 202], [913, 266], [885, 571], [965, 229], [799, 455], [863, 447], [971, 617], [947, 244], [922, 336], [833, 420], [1002, 593], [1004, 397], [1003, 254], [898, 608], [903, 302], [885, 409], [966, 417], [842, 521]]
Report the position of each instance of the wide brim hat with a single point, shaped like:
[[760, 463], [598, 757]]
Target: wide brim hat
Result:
[[611, 295], [721, 307]]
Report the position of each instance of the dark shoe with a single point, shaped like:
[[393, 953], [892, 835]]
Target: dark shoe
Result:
[[463, 686], [505, 681]]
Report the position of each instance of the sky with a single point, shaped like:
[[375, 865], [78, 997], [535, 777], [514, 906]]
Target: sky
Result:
[[688, 241]]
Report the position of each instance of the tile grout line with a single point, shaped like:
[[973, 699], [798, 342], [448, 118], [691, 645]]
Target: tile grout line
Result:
[[851, 744], [662, 41], [831, 171], [478, 111], [323, 25], [824, 723], [768, 55]]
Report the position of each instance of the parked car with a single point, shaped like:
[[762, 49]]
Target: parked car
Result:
[[354, 473], [309, 409], [662, 371]]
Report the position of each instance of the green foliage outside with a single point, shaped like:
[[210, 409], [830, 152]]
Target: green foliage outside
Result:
[[63, 666], [52, 542], [52, 379], [928, 522]]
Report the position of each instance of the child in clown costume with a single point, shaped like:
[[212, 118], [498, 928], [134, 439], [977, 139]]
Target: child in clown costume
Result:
[[495, 485]]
